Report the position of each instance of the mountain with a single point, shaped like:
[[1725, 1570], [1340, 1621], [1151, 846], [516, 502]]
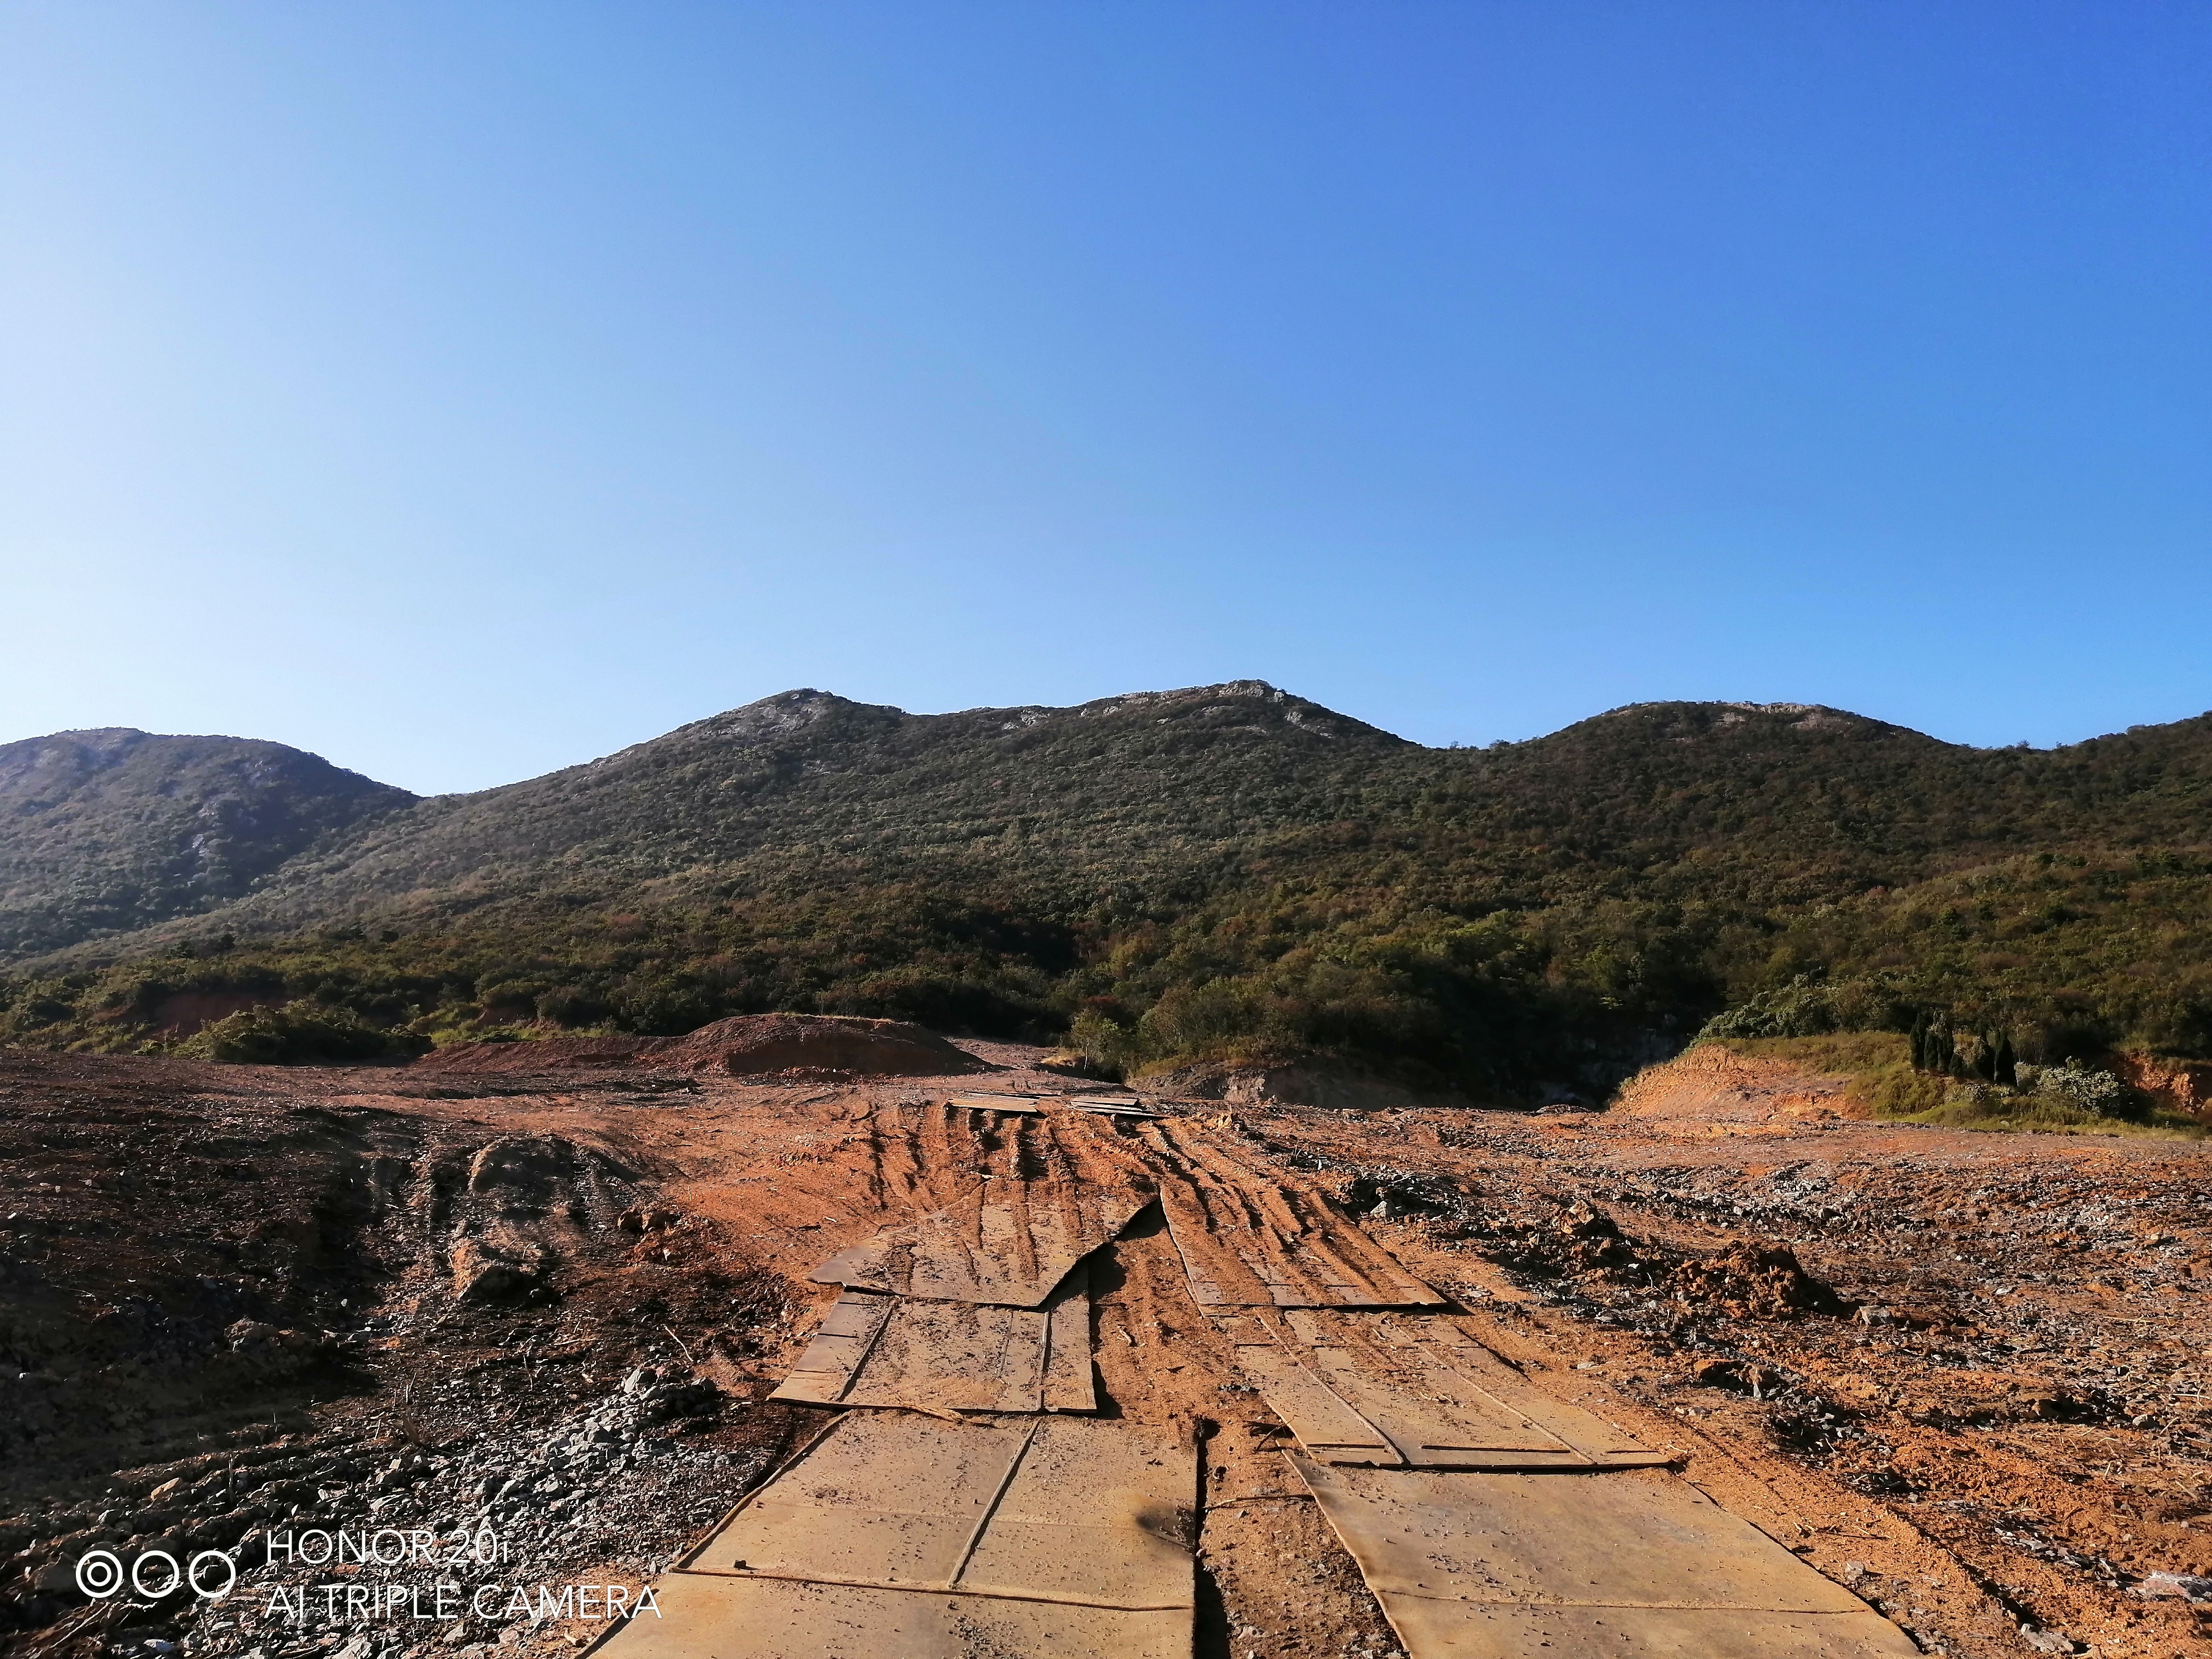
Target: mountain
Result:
[[1233, 869], [113, 830], [1131, 791]]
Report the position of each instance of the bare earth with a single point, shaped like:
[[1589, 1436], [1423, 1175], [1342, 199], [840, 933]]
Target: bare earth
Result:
[[1961, 1374]]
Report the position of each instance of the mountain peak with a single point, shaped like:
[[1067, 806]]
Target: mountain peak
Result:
[[147, 827], [1685, 721]]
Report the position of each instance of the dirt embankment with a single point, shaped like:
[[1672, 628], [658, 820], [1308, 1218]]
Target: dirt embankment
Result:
[[1711, 1085], [150, 1211], [2180, 1085], [747, 1045], [234, 1299]]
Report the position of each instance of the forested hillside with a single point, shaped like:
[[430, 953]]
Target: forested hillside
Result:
[[1233, 870], [111, 831]]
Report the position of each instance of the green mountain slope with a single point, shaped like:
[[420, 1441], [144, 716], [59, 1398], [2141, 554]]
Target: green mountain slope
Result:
[[110, 831], [1124, 795], [1232, 869]]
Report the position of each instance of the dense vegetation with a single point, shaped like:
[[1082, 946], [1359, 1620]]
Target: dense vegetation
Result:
[[1889, 1079], [1232, 870], [113, 830]]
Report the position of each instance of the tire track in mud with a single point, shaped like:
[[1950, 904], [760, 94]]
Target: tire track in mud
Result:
[[878, 1178], [1272, 1577], [1216, 1197]]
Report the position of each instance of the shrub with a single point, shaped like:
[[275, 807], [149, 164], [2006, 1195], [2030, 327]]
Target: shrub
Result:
[[1800, 1009], [296, 1034], [508, 1000], [2098, 1093], [1108, 1048], [1201, 1019], [569, 1004]]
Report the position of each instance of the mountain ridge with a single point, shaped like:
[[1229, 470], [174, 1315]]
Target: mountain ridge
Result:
[[1235, 864], [118, 828], [705, 774]]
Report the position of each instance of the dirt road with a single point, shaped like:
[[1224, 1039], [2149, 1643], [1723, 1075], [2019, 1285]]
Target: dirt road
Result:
[[1957, 1374]]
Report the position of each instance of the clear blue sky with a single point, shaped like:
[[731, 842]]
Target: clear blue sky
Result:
[[462, 390]]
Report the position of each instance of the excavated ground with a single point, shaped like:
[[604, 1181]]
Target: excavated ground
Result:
[[1959, 1372]]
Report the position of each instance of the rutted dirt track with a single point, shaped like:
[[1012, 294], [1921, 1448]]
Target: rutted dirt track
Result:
[[247, 1299]]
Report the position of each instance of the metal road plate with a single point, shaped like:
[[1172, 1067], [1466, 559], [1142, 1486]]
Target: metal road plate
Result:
[[1444, 1400], [1326, 1426], [1099, 1512], [1589, 1433], [1437, 1418], [718, 1618], [1128, 1108], [1343, 1411], [1633, 1562], [1026, 1104], [884, 1351], [1008, 1242], [1057, 1509], [1387, 1391], [838, 1349], [1256, 1247], [1448, 1630], [903, 1537]]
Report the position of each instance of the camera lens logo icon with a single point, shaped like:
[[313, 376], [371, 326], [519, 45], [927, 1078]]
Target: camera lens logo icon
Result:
[[99, 1574]]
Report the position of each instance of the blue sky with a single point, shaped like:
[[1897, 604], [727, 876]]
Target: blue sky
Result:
[[463, 391]]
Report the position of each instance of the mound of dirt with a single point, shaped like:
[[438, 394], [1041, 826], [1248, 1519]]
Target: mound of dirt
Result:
[[520, 1208], [747, 1045], [1714, 1085], [1325, 1084], [1750, 1280], [754, 1043]]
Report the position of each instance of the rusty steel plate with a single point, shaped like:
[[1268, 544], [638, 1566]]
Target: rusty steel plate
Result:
[[1349, 1404], [1414, 1391], [1248, 1241], [1631, 1562], [896, 1536], [1130, 1107], [705, 1616], [1600, 1441], [1325, 1425], [1050, 1508], [1448, 1630], [1025, 1105], [1007, 1241], [882, 1350]]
